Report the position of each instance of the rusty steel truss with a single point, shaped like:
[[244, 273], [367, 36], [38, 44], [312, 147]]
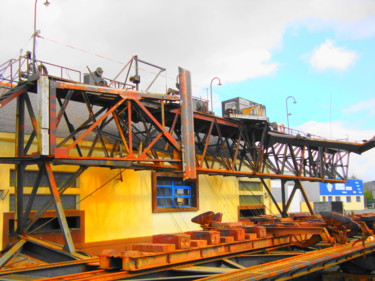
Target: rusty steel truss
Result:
[[72, 123]]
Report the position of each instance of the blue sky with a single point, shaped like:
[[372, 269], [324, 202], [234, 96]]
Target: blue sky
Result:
[[316, 51], [320, 94]]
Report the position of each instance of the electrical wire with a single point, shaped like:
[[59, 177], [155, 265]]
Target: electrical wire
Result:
[[79, 201], [123, 63], [256, 197]]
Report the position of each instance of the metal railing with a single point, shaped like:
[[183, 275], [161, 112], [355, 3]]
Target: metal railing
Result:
[[14, 71]]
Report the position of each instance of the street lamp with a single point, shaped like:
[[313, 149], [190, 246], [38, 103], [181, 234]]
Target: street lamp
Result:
[[36, 32], [212, 105], [287, 112]]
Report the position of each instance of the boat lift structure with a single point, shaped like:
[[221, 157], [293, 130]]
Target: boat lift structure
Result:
[[140, 130]]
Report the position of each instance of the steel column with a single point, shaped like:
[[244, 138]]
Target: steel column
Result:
[[187, 126], [20, 168]]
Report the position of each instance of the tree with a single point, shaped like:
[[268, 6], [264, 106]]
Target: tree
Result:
[[368, 194]]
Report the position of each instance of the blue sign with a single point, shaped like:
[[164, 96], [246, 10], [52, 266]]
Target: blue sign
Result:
[[351, 187]]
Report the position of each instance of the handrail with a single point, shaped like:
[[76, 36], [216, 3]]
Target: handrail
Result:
[[13, 71]]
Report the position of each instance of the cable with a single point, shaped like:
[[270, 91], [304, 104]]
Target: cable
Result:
[[255, 196], [75, 204], [123, 63]]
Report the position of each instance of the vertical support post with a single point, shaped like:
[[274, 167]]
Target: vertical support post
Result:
[[271, 195], [283, 197], [69, 246], [304, 194], [136, 72], [291, 196], [52, 116], [20, 168], [43, 115], [130, 132], [187, 126]]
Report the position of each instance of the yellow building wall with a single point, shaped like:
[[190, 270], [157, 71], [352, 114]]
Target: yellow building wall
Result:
[[303, 207], [349, 206], [118, 207]]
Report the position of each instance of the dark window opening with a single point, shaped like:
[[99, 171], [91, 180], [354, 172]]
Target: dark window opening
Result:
[[246, 213], [40, 200], [30, 178]]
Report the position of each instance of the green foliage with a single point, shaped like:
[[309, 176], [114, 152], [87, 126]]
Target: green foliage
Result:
[[368, 194]]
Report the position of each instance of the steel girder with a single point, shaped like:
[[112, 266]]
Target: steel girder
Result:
[[142, 130], [87, 125]]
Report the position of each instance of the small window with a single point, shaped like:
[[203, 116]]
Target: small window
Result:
[[329, 198], [251, 200], [250, 186], [172, 194], [337, 198], [348, 199], [324, 199], [40, 200], [358, 198], [30, 178]]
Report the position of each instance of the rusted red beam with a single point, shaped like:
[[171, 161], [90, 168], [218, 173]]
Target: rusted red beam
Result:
[[125, 94], [187, 127], [135, 261]]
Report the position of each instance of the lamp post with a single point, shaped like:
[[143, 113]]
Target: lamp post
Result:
[[287, 112], [212, 105], [36, 32]]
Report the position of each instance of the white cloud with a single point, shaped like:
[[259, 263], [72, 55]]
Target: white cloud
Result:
[[367, 106], [362, 165], [328, 56], [233, 39]]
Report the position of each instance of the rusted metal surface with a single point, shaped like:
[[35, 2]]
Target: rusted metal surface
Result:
[[340, 226], [298, 266], [341, 276], [141, 261], [187, 126], [228, 242], [143, 130], [223, 146]]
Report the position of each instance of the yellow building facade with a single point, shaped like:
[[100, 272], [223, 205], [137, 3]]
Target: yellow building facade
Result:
[[117, 203]]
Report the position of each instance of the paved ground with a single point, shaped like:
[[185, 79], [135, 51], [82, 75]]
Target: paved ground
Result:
[[363, 211]]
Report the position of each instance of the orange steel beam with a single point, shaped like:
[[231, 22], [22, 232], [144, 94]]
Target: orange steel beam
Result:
[[299, 265], [126, 94], [137, 263]]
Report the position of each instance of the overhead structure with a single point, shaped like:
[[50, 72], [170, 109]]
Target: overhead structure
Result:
[[134, 129]]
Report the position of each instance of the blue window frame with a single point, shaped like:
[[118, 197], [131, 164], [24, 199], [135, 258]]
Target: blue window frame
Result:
[[173, 194]]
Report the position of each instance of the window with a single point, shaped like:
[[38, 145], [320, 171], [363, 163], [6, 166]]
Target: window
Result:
[[337, 198], [324, 199], [329, 198], [172, 194], [348, 199], [250, 186], [251, 199], [31, 176], [40, 200], [358, 198]]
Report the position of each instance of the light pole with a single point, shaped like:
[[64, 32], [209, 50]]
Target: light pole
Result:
[[36, 32], [287, 112], [212, 105]]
